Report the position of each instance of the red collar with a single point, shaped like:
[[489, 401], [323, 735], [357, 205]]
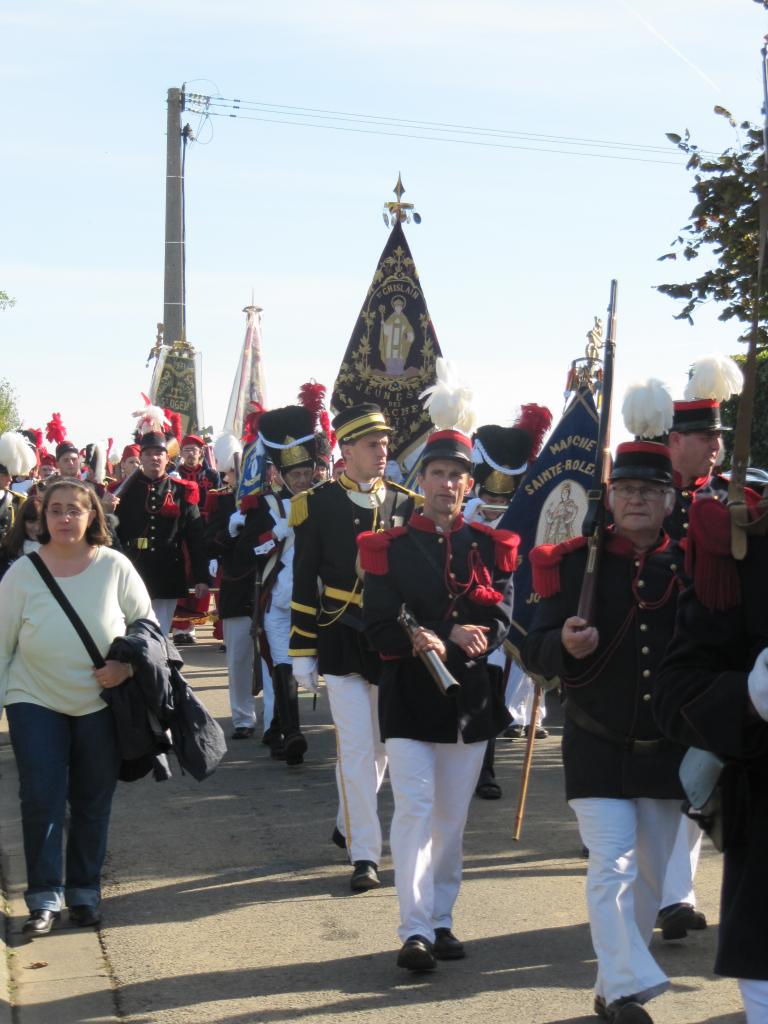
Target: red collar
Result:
[[700, 481], [625, 549], [419, 521]]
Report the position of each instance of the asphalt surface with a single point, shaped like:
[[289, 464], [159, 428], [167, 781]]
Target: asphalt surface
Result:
[[226, 902]]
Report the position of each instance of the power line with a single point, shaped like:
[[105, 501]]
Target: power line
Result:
[[374, 124]]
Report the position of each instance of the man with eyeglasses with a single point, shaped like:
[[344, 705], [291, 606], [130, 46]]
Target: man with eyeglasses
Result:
[[621, 775]]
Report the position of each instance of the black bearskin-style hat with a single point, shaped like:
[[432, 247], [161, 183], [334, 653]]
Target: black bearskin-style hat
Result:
[[288, 435], [502, 454]]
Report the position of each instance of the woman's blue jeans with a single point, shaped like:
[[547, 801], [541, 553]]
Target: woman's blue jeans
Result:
[[64, 759]]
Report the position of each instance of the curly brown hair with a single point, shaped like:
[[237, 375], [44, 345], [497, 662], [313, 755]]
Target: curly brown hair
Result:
[[97, 532]]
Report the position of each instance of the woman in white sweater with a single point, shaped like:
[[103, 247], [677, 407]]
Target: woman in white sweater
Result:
[[61, 730]]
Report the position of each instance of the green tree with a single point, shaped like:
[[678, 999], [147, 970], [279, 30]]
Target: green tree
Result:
[[723, 224], [6, 301], [9, 413], [758, 447]]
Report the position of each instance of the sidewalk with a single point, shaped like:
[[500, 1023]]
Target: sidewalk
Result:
[[68, 964]]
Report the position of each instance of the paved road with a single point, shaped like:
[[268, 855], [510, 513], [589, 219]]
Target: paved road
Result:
[[226, 902]]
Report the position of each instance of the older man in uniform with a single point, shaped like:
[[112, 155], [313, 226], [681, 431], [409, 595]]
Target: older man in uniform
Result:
[[454, 578], [327, 623], [157, 514], [711, 692], [621, 774]]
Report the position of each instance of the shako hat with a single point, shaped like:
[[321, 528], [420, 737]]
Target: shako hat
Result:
[[288, 435], [642, 460], [66, 446], [153, 439], [358, 420], [713, 379], [447, 444]]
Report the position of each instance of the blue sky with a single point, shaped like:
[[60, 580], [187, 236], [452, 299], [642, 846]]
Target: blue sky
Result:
[[516, 249]]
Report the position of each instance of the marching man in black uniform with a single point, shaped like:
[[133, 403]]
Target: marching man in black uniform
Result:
[[455, 580], [327, 624], [621, 775], [157, 514], [711, 691]]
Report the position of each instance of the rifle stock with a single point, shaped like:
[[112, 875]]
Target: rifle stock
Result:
[[595, 518]]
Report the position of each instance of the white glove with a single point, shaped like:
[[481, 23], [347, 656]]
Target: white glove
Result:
[[757, 684], [281, 529], [213, 568], [265, 548], [236, 523], [305, 673]]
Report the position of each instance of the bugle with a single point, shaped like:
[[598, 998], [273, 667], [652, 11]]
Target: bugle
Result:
[[442, 677]]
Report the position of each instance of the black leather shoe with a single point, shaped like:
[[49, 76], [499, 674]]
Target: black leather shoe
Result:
[[83, 916], [487, 787], [242, 732], [540, 733], [338, 839], [623, 1011], [446, 946], [678, 919], [416, 954], [364, 877], [513, 732], [40, 922], [295, 748]]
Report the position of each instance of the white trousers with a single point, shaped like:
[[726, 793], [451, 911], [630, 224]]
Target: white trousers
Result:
[[361, 762], [432, 784], [681, 870], [239, 644], [629, 843], [277, 626], [519, 697], [755, 997], [164, 607]]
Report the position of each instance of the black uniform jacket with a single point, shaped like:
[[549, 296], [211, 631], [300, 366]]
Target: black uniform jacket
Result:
[[155, 517], [207, 480], [462, 577], [676, 523], [608, 694], [235, 556], [327, 619], [701, 699]]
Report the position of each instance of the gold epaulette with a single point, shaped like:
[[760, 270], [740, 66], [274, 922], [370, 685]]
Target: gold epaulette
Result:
[[300, 504], [418, 499]]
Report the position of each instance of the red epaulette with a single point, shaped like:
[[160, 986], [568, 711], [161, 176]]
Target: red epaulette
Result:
[[192, 490], [708, 559], [374, 549], [545, 564], [505, 544]]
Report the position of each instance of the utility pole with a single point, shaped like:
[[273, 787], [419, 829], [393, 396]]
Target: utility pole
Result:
[[174, 312]]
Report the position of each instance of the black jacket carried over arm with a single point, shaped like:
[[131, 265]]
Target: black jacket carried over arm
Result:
[[445, 579], [609, 692], [701, 698]]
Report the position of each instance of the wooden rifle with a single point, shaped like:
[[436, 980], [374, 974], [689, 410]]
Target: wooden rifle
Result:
[[596, 515]]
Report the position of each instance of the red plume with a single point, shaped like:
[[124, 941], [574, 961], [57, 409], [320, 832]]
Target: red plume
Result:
[[325, 423], [535, 420], [38, 435], [251, 425], [312, 397], [174, 418], [55, 431]]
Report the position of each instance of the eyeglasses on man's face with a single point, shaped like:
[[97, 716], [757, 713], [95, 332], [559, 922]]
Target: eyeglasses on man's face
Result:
[[641, 492]]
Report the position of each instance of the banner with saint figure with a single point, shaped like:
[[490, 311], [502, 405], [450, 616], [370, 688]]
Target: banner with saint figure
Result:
[[550, 504], [390, 358]]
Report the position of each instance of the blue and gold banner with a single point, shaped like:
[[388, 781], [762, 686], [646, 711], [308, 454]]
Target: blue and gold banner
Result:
[[550, 504], [391, 355]]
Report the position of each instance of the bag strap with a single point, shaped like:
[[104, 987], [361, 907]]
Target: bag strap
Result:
[[69, 611]]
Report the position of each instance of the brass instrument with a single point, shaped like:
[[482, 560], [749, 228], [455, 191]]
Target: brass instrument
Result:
[[442, 677]]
